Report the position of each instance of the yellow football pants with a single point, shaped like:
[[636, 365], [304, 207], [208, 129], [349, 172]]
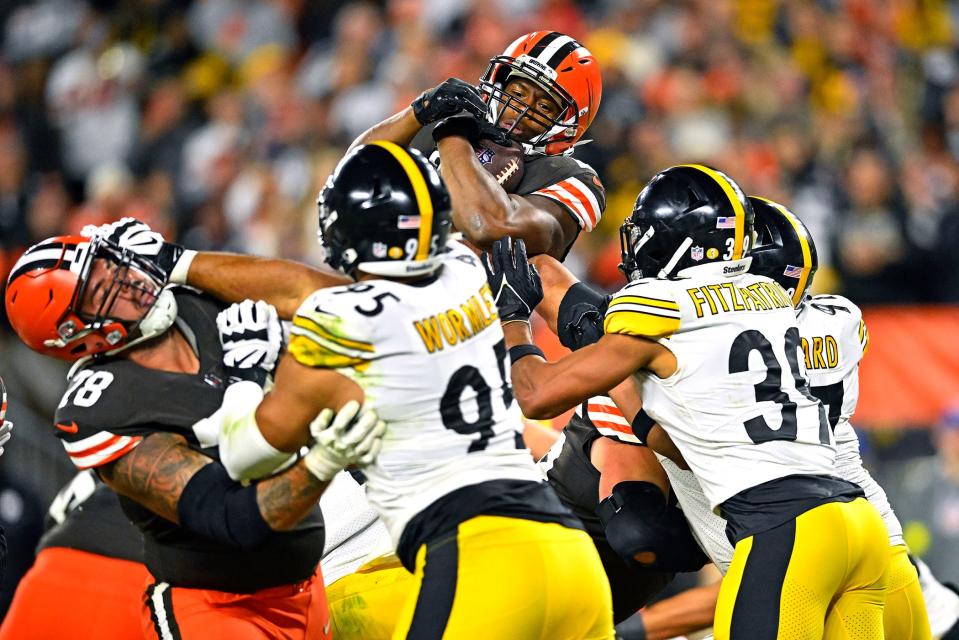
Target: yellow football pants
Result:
[[822, 575], [365, 605], [511, 579], [905, 616]]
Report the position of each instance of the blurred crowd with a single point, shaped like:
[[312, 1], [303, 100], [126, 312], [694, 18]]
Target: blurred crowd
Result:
[[217, 120]]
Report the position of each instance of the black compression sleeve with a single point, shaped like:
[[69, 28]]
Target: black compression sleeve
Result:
[[216, 507]]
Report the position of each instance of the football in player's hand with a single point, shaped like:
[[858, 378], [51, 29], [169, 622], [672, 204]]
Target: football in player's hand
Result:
[[504, 163]]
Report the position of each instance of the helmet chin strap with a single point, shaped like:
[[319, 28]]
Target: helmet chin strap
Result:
[[668, 269]]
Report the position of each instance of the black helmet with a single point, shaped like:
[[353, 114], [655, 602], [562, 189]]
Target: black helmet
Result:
[[784, 249], [385, 211], [686, 216]]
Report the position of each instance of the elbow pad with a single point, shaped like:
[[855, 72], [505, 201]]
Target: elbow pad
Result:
[[637, 519], [580, 319], [215, 507]]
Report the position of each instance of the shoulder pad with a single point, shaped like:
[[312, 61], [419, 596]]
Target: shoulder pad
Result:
[[332, 329], [95, 416], [843, 314], [571, 183], [456, 250], [646, 308]]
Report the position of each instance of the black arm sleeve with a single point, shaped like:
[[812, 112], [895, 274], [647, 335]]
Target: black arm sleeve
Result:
[[214, 506]]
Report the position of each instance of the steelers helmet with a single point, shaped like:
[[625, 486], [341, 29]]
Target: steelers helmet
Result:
[[784, 249], [384, 211], [687, 215]]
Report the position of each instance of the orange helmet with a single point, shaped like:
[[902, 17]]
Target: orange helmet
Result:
[[48, 282], [563, 68]]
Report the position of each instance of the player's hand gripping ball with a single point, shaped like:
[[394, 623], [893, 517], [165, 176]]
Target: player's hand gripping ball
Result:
[[503, 163]]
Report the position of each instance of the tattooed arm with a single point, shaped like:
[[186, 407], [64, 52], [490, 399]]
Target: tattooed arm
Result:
[[157, 471]]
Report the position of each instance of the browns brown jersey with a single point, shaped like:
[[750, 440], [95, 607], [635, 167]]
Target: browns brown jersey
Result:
[[572, 475], [86, 515], [567, 181], [111, 405]]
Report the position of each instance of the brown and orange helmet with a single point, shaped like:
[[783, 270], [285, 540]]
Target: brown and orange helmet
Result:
[[563, 68]]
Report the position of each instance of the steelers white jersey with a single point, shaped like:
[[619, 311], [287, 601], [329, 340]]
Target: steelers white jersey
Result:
[[708, 528], [355, 534], [834, 339], [737, 407], [432, 361]]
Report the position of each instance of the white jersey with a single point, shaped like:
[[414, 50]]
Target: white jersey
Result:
[[834, 339], [355, 534], [737, 407], [708, 528], [432, 361]]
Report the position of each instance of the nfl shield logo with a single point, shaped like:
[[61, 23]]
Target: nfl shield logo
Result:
[[696, 253], [485, 155], [379, 250]]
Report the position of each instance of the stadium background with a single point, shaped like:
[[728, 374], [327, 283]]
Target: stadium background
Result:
[[216, 121]]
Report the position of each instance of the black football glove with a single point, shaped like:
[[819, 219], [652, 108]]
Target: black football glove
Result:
[[514, 282], [138, 237], [580, 319], [637, 519], [447, 99], [473, 129]]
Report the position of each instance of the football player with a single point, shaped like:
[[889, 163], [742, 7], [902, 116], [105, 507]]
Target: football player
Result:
[[416, 335], [542, 93], [833, 339], [91, 552], [714, 351], [152, 362]]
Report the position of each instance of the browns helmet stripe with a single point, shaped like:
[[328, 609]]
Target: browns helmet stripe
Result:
[[804, 246], [48, 255], [561, 54], [554, 48], [423, 201], [542, 44], [734, 200]]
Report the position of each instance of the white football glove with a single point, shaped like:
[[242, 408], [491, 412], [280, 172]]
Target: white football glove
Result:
[[252, 337], [6, 432], [129, 233], [354, 436]]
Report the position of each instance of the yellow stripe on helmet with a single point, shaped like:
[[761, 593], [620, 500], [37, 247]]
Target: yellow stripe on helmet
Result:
[[803, 244], [734, 200], [423, 201]]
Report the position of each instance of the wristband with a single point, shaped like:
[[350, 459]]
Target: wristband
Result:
[[522, 350], [642, 425], [182, 267]]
